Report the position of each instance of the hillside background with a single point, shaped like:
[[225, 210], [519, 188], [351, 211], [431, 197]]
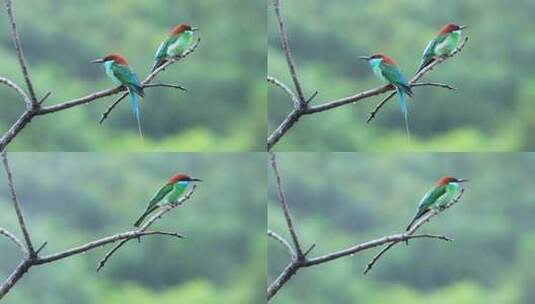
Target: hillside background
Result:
[[492, 109]]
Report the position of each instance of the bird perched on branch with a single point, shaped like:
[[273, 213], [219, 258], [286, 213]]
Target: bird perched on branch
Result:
[[438, 197], [386, 69], [119, 71], [442, 45], [179, 40], [168, 194]]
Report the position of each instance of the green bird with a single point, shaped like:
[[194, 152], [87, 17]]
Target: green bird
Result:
[[121, 73], [442, 45], [179, 40], [169, 193], [438, 197]]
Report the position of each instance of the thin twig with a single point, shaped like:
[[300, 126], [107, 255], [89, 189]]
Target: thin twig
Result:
[[283, 242], [17, 89], [286, 89], [14, 239], [16, 205], [103, 261]]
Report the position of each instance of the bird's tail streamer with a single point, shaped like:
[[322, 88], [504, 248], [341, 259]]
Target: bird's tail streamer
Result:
[[135, 110], [405, 112]]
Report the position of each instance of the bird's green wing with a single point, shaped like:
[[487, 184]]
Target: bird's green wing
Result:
[[160, 195], [431, 198], [394, 76], [429, 52], [127, 77]]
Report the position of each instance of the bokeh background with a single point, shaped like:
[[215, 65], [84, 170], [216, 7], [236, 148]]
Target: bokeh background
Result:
[[224, 109], [334, 207], [71, 199], [492, 110]]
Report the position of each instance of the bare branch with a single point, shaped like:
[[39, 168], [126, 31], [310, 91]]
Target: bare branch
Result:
[[17, 89], [286, 89], [16, 205], [288, 54], [20, 54], [283, 242], [14, 239]]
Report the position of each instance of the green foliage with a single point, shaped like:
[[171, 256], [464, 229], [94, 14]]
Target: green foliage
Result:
[[490, 111], [225, 77], [72, 198], [489, 260]]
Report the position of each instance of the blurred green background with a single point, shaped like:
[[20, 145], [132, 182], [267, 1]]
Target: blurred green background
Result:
[[224, 109], [71, 199], [492, 110], [490, 261]]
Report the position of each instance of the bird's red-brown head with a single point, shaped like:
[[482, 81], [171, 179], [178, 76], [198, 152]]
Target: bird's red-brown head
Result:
[[117, 58], [382, 56], [179, 177], [181, 28], [451, 27], [450, 179]]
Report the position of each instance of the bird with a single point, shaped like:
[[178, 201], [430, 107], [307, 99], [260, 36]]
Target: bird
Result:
[[119, 71], [386, 69], [442, 45], [437, 197], [168, 194], [178, 41]]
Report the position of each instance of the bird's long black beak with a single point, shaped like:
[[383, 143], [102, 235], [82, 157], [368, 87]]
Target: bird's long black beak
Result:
[[100, 60], [462, 180], [194, 28], [462, 27], [196, 180], [365, 57]]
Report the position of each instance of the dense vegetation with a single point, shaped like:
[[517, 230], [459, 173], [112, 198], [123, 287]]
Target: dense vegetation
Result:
[[223, 110], [72, 198], [492, 109], [490, 260]]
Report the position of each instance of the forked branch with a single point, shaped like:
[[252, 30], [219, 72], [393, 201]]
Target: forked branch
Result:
[[32, 257]]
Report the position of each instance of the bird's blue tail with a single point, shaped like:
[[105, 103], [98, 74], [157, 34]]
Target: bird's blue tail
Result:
[[135, 109], [405, 112]]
